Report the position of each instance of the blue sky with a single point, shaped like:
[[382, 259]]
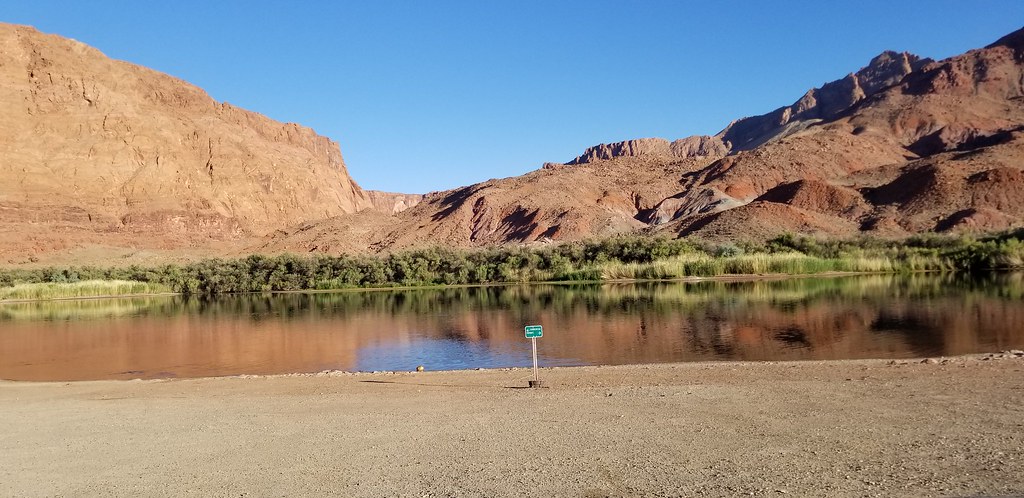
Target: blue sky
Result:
[[430, 95]]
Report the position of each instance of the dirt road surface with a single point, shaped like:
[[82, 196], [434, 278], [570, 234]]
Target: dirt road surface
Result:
[[952, 427]]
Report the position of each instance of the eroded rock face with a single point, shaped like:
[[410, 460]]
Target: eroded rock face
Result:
[[863, 154], [97, 145], [98, 150], [390, 202], [820, 197], [963, 103], [825, 103], [901, 146], [817, 105], [690, 147]]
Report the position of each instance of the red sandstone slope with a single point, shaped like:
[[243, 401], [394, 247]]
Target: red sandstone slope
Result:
[[946, 135], [827, 103], [554, 203], [959, 123], [822, 104], [903, 145], [98, 151]]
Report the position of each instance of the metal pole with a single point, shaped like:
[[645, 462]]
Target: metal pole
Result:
[[536, 376]]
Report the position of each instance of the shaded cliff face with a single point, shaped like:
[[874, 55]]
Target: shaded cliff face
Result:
[[818, 104], [822, 104], [390, 202], [103, 150]]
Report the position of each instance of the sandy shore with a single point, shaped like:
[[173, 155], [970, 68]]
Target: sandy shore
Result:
[[855, 428]]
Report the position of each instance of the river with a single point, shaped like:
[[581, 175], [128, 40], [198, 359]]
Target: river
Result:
[[873, 316]]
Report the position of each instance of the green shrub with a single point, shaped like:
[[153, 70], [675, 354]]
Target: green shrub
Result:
[[620, 257]]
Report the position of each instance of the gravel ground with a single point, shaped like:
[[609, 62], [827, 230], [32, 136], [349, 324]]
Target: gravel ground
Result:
[[938, 427]]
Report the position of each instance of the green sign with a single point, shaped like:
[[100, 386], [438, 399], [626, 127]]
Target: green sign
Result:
[[534, 331]]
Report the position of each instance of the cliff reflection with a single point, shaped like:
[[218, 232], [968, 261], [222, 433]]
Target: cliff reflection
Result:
[[881, 316]]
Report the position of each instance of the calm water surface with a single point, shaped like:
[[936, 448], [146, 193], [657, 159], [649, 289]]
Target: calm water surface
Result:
[[482, 327]]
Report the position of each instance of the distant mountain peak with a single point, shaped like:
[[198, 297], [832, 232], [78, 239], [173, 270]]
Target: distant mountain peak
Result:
[[823, 103], [1013, 40], [883, 71]]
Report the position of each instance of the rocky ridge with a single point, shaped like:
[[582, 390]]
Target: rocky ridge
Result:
[[818, 104], [845, 159], [822, 104], [957, 123], [136, 159], [695, 146]]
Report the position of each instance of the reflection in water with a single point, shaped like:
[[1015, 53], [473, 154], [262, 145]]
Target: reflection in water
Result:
[[880, 316]]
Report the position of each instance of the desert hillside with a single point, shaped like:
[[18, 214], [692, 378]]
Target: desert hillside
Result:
[[103, 158], [902, 146], [101, 152]]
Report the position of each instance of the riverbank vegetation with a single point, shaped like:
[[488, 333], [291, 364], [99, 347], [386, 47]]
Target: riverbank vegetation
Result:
[[86, 288], [624, 257]]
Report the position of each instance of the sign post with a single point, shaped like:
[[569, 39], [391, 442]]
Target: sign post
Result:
[[532, 333]]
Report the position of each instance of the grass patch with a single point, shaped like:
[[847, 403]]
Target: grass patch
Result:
[[787, 263], [88, 288]]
